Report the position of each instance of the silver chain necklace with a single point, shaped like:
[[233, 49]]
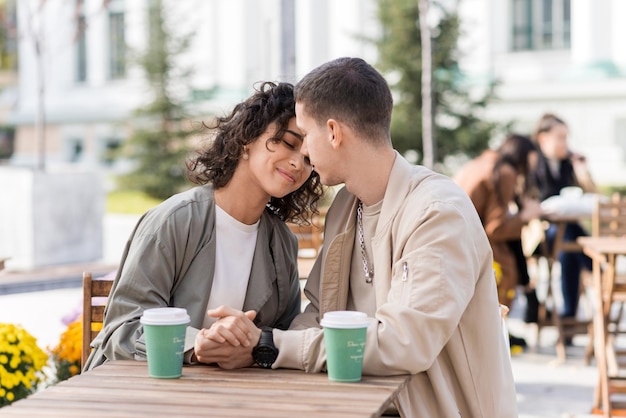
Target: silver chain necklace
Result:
[[369, 274]]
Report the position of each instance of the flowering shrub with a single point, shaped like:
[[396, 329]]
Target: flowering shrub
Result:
[[21, 364], [66, 355]]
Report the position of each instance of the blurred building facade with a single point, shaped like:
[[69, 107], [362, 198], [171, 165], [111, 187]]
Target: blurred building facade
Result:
[[91, 86], [561, 56]]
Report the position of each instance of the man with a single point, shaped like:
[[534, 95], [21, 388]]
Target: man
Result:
[[402, 244]]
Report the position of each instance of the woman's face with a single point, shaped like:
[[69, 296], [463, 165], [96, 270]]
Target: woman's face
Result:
[[279, 168], [553, 143]]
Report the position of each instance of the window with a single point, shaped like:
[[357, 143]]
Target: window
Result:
[[546, 24], [567, 23], [74, 150], [81, 42], [117, 46], [110, 150], [540, 24], [522, 26]]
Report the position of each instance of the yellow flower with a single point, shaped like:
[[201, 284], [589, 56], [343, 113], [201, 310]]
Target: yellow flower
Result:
[[67, 354], [21, 363], [497, 270]]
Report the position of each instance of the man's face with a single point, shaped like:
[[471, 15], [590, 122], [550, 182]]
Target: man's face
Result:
[[317, 146]]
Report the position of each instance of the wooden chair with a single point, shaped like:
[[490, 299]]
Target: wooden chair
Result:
[[310, 237], [609, 220], [95, 295]]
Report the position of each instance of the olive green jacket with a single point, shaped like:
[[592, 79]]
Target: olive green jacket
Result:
[[169, 261]]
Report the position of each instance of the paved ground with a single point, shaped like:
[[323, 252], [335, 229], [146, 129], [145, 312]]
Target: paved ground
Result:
[[40, 299]]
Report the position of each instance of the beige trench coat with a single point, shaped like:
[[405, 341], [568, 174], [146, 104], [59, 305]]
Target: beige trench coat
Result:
[[437, 314]]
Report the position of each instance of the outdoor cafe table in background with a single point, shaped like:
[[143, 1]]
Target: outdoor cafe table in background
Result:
[[123, 389], [604, 252], [567, 327]]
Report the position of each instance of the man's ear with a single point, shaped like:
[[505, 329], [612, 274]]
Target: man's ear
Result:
[[335, 132]]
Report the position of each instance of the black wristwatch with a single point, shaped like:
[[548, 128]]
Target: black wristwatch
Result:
[[265, 352]]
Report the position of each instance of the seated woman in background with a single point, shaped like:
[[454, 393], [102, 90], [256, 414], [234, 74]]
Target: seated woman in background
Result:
[[497, 181], [557, 167], [224, 242]]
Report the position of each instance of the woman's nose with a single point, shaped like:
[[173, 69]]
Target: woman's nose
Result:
[[297, 160]]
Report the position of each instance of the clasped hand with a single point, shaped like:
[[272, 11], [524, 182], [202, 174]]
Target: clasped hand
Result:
[[230, 340]]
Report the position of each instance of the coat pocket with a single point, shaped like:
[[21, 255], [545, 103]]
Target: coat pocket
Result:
[[416, 282]]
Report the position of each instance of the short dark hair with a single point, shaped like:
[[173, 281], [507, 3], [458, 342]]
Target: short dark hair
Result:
[[350, 91], [216, 164]]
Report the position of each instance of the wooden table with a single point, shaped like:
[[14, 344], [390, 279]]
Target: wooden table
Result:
[[123, 389], [604, 251]]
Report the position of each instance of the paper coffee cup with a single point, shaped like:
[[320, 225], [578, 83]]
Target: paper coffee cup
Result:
[[164, 331], [344, 339]]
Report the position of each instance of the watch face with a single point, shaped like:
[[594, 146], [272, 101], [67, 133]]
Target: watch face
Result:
[[265, 356]]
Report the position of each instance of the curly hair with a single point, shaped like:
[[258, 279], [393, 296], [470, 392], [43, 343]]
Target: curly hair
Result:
[[216, 164]]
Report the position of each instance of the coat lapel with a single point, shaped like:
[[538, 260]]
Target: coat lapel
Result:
[[260, 289]]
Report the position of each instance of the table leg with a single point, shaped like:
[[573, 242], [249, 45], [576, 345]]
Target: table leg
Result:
[[601, 398]]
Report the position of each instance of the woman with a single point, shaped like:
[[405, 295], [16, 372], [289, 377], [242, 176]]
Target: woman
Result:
[[557, 167], [224, 242], [495, 181]]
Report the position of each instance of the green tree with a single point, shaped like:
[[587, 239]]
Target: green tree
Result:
[[159, 143], [8, 35], [458, 127]]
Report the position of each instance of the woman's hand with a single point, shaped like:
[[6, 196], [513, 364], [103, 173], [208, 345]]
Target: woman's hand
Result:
[[233, 326], [230, 340], [531, 209]]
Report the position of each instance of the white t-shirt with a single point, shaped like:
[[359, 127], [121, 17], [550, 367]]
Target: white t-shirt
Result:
[[235, 244]]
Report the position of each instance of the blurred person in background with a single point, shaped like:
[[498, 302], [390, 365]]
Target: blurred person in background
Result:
[[558, 167], [498, 183], [224, 242]]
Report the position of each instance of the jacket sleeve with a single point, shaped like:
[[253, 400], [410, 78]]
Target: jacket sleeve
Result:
[[145, 280], [142, 284]]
